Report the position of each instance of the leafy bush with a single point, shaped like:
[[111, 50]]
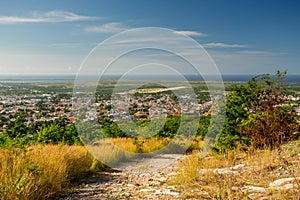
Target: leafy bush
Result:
[[256, 114], [52, 132]]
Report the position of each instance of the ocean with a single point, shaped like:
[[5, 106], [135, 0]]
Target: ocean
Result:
[[71, 78]]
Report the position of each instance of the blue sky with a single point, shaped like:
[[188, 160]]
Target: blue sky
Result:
[[242, 37]]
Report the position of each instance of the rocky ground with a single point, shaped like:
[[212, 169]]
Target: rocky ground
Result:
[[147, 179], [144, 179]]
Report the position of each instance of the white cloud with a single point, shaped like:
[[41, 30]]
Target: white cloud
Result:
[[260, 53], [113, 27], [191, 33], [62, 16], [51, 16], [223, 45], [13, 20]]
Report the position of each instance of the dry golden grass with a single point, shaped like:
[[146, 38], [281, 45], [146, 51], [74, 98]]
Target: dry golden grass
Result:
[[38, 172], [261, 168], [141, 145], [41, 171], [114, 150], [152, 144]]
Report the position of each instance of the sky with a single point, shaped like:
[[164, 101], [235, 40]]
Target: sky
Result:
[[241, 37]]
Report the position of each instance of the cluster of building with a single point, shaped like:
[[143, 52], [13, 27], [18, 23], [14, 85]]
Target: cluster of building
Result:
[[33, 108], [124, 106], [148, 106], [127, 107], [295, 102]]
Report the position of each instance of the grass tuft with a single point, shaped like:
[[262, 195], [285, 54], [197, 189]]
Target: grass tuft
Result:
[[199, 178], [39, 172]]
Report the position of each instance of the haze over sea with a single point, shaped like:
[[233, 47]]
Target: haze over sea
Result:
[[71, 78]]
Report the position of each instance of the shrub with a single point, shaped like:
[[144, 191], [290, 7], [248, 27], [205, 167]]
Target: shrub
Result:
[[256, 114]]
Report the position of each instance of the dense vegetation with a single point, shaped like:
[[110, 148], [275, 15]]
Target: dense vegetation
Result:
[[17, 134], [257, 114], [60, 131]]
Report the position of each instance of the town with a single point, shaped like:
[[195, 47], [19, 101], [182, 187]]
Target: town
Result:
[[47, 107], [122, 106]]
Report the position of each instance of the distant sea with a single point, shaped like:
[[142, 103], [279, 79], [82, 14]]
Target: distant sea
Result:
[[71, 78]]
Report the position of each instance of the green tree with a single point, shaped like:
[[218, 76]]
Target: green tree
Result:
[[256, 114]]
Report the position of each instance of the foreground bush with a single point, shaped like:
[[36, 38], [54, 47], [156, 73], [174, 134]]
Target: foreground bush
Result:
[[39, 172], [258, 115]]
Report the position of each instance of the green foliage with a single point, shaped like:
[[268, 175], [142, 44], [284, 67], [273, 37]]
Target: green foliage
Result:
[[170, 129], [203, 125], [256, 114], [270, 128], [111, 129], [61, 131], [89, 132], [54, 132]]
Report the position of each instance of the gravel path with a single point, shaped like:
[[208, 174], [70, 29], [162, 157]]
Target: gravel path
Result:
[[138, 179]]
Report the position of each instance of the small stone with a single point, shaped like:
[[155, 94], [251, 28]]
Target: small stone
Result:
[[130, 185], [258, 196], [161, 179], [288, 186], [253, 189], [235, 188], [146, 190], [237, 167], [282, 181], [167, 192], [234, 170]]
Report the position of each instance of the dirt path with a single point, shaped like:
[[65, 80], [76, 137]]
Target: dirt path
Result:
[[139, 179], [246, 177]]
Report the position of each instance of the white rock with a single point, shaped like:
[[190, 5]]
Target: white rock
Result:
[[238, 167], [282, 181], [171, 187], [225, 171], [229, 170], [167, 192], [146, 190], [259, 196], [288, 186], [253, 189], [130, 185], [172, 174]]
